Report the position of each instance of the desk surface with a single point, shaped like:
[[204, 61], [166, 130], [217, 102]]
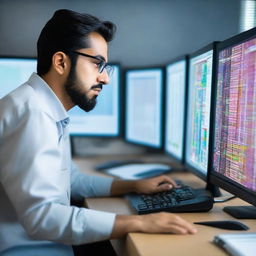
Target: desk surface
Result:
[[167, 244]]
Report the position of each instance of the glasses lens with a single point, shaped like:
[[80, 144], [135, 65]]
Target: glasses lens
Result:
[[102, 66], [109, 70]]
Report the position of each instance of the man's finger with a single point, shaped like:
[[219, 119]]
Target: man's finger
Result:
[[164, 187], [166, 179]]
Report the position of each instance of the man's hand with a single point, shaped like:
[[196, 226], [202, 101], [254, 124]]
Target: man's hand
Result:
[[154, 185], [164, 222], [155, 223], [145, 186]]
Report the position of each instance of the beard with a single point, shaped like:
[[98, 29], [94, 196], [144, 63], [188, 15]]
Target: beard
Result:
[[74, 87]]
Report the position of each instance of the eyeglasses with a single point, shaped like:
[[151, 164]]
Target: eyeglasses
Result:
[[102, 65]]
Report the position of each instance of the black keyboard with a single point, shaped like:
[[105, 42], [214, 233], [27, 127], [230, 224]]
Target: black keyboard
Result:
[[181, 199]]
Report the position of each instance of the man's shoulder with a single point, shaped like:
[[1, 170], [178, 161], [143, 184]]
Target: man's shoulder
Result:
[[19, 103], [19, 97]]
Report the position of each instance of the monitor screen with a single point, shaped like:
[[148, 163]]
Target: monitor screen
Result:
[[175, 108], [14, 72], [199, 107], [233, 165], [144, 107], [103, 120]]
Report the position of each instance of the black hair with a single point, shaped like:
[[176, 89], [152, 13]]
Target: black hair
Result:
[[68, 31]]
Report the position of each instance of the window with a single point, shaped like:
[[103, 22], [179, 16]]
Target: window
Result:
[[248, 15]]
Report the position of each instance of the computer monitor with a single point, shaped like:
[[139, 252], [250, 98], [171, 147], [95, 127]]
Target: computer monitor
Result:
[[144, 107], [14, 71], [233, 154], [200, 82], [104, 119], [175, 102]]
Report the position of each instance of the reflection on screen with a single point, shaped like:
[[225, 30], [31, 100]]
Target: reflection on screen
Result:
[[199, 102], [103, 120], [235, 121], [144, 106], [14, 72], [175, 100]]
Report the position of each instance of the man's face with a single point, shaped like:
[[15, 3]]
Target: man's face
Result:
[[84, 82]]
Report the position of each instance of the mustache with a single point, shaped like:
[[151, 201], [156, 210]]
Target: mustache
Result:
[[97, 86]]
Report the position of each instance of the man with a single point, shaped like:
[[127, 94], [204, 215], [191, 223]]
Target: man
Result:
[[36, 172]]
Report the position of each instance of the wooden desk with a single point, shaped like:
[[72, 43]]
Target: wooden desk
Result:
[[200, 244]]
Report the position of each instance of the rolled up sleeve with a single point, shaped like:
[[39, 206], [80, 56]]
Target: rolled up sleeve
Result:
[[83, 185]]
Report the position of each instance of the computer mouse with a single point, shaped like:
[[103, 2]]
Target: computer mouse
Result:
[[224, 224]]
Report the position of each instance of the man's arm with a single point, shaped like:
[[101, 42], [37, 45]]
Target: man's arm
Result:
[[145, 186], [151, 223], [37, 186], [148, 223], [83, 185]]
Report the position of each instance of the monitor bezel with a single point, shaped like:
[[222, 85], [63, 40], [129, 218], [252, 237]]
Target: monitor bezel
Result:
[[120, 111], [162, 114], [17, 57], [188, 166], [214, 177], [175, 60]]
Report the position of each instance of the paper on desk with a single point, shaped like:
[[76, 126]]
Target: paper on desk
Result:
[[131, 170], [239, 244]]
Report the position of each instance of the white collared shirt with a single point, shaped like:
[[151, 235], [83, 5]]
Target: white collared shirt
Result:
[[37, 176]]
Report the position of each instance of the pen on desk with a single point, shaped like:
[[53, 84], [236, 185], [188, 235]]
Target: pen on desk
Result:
[[222, 244], [218, 241]]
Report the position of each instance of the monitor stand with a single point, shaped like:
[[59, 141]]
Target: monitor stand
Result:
[[241, 212], [217, 195], [215, 191]]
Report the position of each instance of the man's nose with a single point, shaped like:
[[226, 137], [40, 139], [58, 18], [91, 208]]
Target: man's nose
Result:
[[104, 78]]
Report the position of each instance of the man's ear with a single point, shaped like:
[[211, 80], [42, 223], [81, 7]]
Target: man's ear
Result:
[[60, 62]]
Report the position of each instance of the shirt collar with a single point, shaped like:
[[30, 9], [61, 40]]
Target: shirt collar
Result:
[[50, 103]]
